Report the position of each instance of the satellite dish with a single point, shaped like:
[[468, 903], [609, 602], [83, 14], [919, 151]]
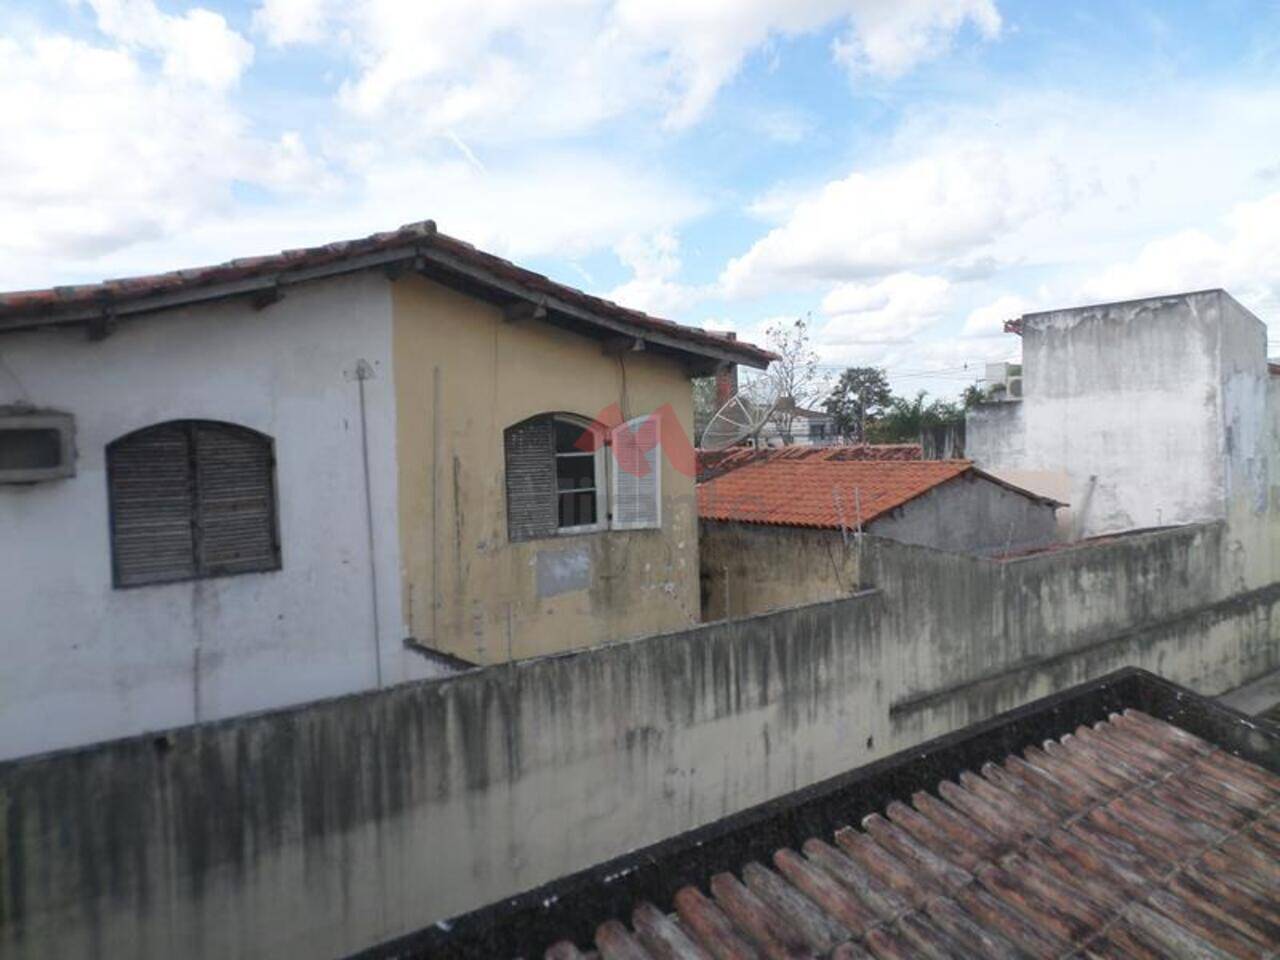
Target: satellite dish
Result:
[[740, 419]]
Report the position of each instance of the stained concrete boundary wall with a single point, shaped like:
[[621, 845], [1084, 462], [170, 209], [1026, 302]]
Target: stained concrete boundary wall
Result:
[[316, 831]]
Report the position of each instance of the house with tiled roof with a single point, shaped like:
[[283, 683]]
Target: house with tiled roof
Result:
[[783, 527], [339, 468], [1124, 818]]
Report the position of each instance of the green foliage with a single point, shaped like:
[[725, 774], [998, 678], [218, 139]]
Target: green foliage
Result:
[[905, 419], [866, 411], [860, 396]]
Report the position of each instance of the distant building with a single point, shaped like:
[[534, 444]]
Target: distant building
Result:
[[302, 475], [1001, 382], [808, 428], [1144, 413], [777, 532]]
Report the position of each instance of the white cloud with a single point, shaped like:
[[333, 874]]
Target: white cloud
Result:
[[1033, 180], [292, 21], [655, 263], [1246, 261], [107, 153], [198, 47], [891, 37], [989, 319], [511, 68], [868, 224], [891, 311]]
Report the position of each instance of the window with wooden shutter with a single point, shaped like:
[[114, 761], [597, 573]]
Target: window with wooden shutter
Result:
[[555, 477], [637, 474], [531, 479], [190, 499]]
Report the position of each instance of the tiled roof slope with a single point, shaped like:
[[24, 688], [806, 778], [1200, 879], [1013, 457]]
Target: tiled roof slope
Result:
[[821, 493], [713, 463], [1130, 839], [413, 237]]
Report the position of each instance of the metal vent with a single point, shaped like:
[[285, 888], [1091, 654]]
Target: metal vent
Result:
[[36, 445]]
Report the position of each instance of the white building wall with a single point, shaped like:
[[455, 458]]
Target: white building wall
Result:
[[83, 661], [1130, 410]]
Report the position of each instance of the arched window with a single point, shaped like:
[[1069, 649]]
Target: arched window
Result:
[[555, 476], [562, 479], [190, 499]]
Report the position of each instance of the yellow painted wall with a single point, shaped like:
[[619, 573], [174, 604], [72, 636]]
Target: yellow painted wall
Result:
[[462, 375], [752, 568]]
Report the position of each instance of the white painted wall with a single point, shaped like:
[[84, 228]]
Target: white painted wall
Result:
[[1154, 411], [82, 661], [802, 433], [970, 514]]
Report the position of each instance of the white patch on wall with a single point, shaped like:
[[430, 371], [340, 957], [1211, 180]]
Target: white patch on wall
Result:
[[563, 571]]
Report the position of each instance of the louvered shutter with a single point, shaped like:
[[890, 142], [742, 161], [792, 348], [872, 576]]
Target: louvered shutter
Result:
[[531, 479], [152, 492], [636, 467], [235, 506]]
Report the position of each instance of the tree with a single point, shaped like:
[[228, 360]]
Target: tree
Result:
[[906, 419], [704, 404], [792, 379], [972, 396], [860, 396]]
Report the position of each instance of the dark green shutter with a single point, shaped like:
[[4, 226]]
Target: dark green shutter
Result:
[[152, 493], [235, 510], [531, 479], [191, 499]]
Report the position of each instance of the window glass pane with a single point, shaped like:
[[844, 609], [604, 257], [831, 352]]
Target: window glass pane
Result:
[[573, 438], [577, 509], [575, 471], [30, 449]]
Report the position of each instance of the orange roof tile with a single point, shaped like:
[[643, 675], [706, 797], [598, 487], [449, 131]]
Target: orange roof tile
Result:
[[20, 309], [821, 493], [712, 463]]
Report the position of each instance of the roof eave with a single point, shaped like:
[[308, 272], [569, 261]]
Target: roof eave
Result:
[[417, 256]]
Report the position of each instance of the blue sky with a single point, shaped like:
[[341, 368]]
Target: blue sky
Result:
[[908, 173]]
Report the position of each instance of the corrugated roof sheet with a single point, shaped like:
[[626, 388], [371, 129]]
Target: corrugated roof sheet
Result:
[[1130, 838], [47, 303], [821, 492], [713, 463]]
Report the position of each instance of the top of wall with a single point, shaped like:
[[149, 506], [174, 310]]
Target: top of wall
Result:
[[416, 247], [1159, 343]]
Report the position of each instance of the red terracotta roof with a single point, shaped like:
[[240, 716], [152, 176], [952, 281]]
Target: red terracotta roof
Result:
[[26, 308], [1130, 838], [821, 492], [713, 463]]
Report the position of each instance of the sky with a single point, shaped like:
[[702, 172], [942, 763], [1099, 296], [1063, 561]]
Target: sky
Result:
[[908, 174]]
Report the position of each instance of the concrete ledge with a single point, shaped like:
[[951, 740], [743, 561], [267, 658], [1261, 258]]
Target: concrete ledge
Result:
[[1257, 696]]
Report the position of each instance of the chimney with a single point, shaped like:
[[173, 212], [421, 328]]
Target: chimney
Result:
[[726, 379]]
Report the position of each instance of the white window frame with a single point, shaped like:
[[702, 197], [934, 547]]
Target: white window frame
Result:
[[601, 490], [614, 471]]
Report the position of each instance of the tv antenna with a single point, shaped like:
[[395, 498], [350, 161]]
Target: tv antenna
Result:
[[740, 419]]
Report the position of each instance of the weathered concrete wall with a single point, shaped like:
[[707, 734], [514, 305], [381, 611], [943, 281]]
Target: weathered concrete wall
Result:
[[970, 515], [1154, 409], [83, 661], [463, 374], [319, 830], [750, 568]]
